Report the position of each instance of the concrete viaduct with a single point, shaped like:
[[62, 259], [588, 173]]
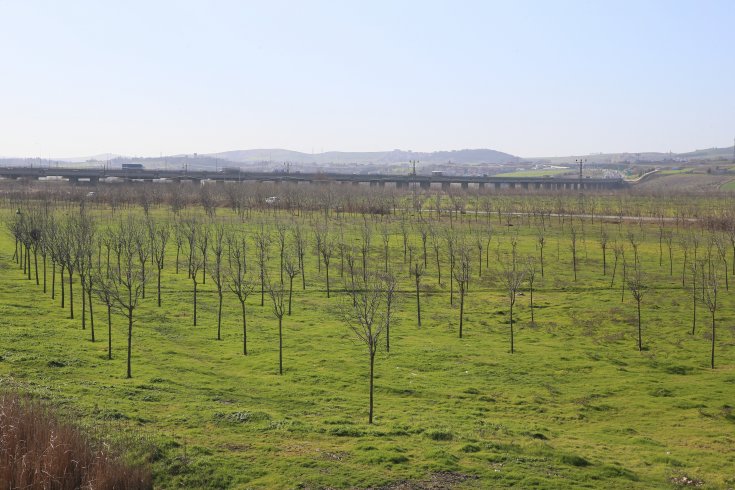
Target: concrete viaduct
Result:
[[94, 175]]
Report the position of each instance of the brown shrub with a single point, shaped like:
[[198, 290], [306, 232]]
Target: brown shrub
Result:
[[39, 451]]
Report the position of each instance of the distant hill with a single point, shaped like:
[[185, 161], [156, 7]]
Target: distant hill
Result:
[[711, 154], [376, 157], [467, 160]]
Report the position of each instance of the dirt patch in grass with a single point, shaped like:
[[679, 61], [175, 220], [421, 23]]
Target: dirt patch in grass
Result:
[[437, 481]]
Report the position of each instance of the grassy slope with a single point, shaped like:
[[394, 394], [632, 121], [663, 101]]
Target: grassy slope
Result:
[[576, 387]]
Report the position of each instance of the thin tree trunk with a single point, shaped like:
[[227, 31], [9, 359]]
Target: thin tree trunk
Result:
[[244, 330], [387, 330], [418, 303], [640, 341], [35, 265], [712, 359], [280, 345], [694, 302], [461, 311], [438, 267], [84, 304], [604, 262], [195, 304], [615, 269], [91, 313], [262, 286], [532, 320], [542, 261], [219, 317], [159, 286], [290, 293], [109, 332], [372, 372], [71, 296], [303, 273], [327, 268], [512, 347], [130, 339]]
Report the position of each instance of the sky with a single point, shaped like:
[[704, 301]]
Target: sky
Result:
[[531, 78]]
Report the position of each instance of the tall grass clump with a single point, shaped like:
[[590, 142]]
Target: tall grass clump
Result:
[[39, 450]]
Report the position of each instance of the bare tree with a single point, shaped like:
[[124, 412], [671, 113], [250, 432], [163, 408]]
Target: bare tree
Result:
[[365, 315], [479, 244], [103, 289], [351, 265], [723, 252], [276, 292], [159, 238], [179, 237], [366, 235], [514, 248], [65, 242], [291, 267], [391, 285], [531, 278], [462, 276], [80, 239], [669, 238], [635, 241], [637, 286], [404, 233], [489, 235], [603, 244], [710, 299], [327, 249], [417, 271], [573, 248], [126, 284], [695, 268], [451, 242], [216, 274], [262, 242], [512, 279], [385, 234], [424, 231], [195, 264], [203, 236], [239, 281], [281, 234], [436, 245], [618, 251], [300, 243]]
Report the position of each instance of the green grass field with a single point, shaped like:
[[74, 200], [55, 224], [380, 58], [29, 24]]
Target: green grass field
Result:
[[674, 172], [576, 406]]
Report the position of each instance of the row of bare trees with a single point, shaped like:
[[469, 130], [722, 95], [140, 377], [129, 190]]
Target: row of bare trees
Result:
[[115, 260]]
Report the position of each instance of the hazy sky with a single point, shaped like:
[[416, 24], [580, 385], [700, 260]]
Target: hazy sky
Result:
[[529, 78]]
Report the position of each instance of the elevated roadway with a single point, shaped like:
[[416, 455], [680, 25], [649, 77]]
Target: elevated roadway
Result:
[[94, 175]]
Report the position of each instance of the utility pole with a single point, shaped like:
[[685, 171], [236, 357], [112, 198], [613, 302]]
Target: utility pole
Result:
[[580, 162], [413, 163]]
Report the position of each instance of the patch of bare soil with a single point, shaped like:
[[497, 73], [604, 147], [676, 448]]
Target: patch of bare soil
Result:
[[437, 481]]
